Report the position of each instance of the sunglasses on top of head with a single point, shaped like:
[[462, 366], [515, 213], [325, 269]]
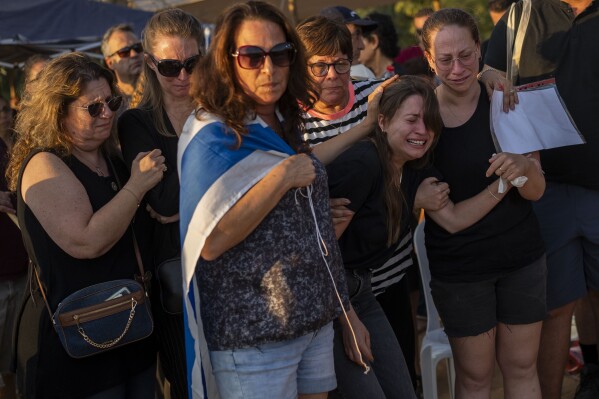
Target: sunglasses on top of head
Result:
[[172, 68], [125, 52], [252, 57], [96, 109]]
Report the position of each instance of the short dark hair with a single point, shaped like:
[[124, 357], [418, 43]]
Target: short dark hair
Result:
[[324, 36], [386, 33], [424, 12], [500, 5]]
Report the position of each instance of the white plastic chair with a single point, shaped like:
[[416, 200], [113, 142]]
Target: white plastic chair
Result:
[[435, 345]]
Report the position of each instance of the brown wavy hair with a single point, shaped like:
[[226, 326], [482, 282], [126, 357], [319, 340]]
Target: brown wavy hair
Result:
[[215, 86], [45, 105], [391, 100]]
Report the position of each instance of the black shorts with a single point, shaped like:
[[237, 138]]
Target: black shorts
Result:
[[470, 309]]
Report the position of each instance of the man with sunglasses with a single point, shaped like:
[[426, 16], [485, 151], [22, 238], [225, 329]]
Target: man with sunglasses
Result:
[[123, 54]]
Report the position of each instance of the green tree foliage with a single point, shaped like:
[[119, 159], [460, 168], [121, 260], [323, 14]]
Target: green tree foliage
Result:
[[403, 11]]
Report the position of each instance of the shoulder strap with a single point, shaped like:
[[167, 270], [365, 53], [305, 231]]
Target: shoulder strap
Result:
[[144, 277], [515, 39]]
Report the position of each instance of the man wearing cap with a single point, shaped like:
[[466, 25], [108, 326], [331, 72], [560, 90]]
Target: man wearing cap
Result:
[[357, 27], [123, 54]]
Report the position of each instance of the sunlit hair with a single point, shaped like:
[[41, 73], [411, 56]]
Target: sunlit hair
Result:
[[30, 63], [386, 33], [108, 34], [45, 106], [391, 100], [325, 37], [446, 17], [215, 86], [168, 23]]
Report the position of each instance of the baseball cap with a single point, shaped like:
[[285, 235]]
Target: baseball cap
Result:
[[347, 16]]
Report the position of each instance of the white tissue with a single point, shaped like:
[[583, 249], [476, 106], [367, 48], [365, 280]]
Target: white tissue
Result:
[[517, 182]]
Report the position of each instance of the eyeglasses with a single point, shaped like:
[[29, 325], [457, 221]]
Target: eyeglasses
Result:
[[252, 57], [467, 59], [125, 52], [322, 68], [172, 68], [97, 108]]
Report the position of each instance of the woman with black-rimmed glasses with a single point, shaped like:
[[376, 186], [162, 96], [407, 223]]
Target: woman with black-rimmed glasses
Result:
[[75, 219], [262, 268], [172, 40]]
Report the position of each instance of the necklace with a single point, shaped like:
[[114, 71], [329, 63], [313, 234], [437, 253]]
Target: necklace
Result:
[[96, 168]]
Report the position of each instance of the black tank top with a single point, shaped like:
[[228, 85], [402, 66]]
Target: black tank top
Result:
[[52, 373]]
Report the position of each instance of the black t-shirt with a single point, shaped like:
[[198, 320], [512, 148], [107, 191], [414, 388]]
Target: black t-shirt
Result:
[[565, 47], [357, 175], [507, 238]]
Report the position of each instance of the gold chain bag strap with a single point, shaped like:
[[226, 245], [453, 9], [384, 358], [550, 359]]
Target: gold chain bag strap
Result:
[[103, 316]]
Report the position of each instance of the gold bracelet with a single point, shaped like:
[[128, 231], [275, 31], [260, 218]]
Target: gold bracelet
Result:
[[492, 195], [133, 194], [481, 73]]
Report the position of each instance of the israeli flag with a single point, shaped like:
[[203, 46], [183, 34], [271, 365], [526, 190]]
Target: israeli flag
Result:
[[214, 174]]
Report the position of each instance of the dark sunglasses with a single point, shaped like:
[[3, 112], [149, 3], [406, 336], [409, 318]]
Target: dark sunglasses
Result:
[[322, 68], [252, 57], [125, 52], [172, 68], [97, 108]]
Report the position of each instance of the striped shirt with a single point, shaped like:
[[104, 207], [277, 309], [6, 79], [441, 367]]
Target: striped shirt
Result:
[[321, 127]]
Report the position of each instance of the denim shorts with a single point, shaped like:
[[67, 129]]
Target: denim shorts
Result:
[[282, 370], [569, 220], [470, 309]]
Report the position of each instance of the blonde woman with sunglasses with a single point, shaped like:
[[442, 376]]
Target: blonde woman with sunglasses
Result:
[[76, 220], [173, 41]]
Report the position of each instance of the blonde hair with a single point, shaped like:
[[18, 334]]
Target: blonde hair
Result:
[[45, 106], [170, 23]]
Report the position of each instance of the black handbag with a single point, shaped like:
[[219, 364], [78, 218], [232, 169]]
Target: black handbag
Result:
[[170, 284], [103, 316]]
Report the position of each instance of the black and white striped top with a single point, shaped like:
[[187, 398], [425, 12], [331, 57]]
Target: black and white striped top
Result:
[[318, 129]]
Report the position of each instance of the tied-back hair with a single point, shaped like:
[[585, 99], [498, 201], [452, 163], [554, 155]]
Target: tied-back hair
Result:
[[447, 17], [391, 100], [45, 105], [323, 36], [168, 23], [214, 82]]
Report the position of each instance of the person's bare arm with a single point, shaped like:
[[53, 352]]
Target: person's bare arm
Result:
[[510, 166], [252, 208], [60, 203], [455, 217]]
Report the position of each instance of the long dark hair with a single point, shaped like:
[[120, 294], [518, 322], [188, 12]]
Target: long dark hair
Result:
[[392, 99], [215, 86]]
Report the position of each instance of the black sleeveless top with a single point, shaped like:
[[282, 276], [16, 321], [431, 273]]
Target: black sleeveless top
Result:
[[507, 238], [52, 373]]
